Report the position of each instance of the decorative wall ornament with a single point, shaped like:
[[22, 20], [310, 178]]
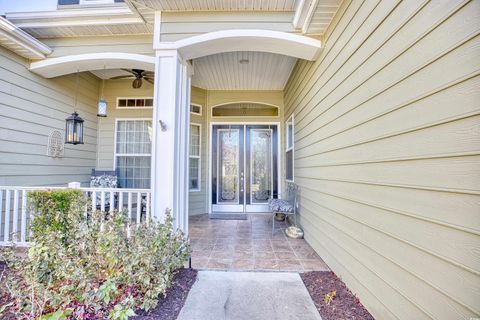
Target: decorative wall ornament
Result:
[[55, 145]]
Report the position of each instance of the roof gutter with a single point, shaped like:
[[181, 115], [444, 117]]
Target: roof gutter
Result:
[[36, 48]]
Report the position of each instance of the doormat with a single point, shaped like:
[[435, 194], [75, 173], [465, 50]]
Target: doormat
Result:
[[229, 216]]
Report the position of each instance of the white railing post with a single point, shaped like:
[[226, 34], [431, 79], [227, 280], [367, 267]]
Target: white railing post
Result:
[[139, 207], [6, 230], [129, 213], [102, 201], [112, 202], [23, 226], [15, 216]]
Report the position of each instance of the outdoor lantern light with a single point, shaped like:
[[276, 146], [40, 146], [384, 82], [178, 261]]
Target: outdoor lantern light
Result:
[[74, 124], [102, 108], [74, 129], [102, 103]]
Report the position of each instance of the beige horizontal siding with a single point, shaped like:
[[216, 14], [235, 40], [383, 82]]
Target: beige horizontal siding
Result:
[[387, 155], [140, 44], [181, 25], [30, 108], [198, 199]]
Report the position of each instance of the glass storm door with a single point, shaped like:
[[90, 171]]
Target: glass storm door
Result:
[[244, 167]]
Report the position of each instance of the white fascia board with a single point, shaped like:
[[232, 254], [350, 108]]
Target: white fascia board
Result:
[[75, 17], [288, 44], [23, 39], [81, 22]]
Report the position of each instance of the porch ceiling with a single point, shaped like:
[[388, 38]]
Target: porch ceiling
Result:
[[242, 71]]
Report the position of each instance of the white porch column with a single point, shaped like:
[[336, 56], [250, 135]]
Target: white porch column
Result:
[[170, 139]]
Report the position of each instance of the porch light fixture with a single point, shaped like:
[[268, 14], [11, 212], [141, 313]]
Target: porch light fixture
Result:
[[74, 124], [74, 129], [102, 103], [102, 108]]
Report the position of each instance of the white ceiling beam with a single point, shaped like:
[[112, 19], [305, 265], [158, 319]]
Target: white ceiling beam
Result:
[[303, 14], [54, 67], [288, 44]]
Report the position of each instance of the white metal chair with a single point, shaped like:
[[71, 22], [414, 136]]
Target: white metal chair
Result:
[[286, 205]]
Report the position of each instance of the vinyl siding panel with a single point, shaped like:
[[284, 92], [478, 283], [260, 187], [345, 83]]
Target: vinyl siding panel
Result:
[[387, 155], [139, 44], [181, 25], [198, 199], [30, 108]]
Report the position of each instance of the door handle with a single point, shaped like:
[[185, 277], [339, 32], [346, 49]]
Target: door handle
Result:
[[241, 181]]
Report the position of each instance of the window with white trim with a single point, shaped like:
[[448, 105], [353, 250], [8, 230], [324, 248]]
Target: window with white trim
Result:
[[196, 109], [133, 153], [135, 103], [289, 148], [194, 157]]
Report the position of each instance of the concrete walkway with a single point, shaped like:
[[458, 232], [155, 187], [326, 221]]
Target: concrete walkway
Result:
[[219, 295]]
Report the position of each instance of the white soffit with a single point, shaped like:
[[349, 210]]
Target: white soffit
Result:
[[20, 42], [322, 16], [259, 71], [245, 40], [54, 67], [216, 5]]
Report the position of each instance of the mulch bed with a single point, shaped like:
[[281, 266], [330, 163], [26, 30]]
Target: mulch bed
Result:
[[169, 307], [344, 305], [4, 296]]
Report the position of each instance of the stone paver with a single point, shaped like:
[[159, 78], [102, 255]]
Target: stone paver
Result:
[[247, 245], [219, 295]]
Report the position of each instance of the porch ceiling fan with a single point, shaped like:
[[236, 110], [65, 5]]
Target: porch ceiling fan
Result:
[[137, 75]]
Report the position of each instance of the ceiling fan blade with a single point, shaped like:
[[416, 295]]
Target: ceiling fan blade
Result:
[[149, 80], [129, 71], [148, 73], [120, 77]]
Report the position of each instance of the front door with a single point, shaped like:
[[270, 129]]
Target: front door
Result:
[[244, 167]]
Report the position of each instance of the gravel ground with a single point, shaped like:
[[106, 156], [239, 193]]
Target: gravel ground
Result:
[[343, 306]]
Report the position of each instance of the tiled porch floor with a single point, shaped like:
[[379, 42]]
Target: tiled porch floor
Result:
[[249, 245]]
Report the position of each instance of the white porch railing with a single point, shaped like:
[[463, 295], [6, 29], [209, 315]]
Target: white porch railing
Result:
[[15, 215]]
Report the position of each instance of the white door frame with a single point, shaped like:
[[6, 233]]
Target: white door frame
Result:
[[242, 123]]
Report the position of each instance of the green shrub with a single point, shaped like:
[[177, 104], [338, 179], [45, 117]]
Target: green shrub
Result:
[[83, 266]]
